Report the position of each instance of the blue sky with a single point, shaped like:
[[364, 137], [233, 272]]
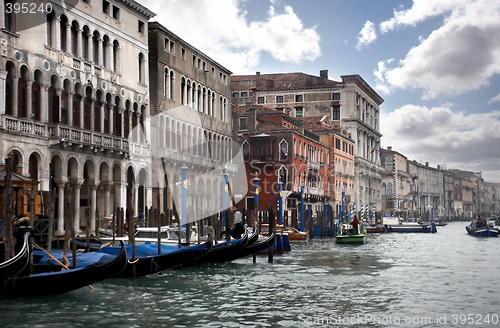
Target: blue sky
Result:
[[435, 63]]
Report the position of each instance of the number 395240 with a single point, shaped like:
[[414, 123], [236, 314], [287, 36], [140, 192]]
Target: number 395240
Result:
[[27, 8]]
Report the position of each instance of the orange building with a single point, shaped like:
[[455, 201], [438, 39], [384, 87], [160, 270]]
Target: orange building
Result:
[[278, 147]]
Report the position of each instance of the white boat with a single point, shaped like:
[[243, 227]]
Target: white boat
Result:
[[168, 235]]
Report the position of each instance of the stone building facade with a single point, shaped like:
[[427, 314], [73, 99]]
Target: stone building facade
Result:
[[191, 123], [75, 107]]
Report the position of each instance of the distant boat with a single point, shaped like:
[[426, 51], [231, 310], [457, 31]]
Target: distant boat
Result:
[[59, 282], [345, 234], [396, 224], [16, 264], [482, 231]]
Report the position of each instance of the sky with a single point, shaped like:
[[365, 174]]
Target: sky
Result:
[[435, 63]]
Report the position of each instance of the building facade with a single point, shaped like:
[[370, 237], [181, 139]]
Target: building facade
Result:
[[351, 102], [75, 108], [191, 123]]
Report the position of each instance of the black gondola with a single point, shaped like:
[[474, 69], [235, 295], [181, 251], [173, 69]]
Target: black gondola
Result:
[[259, 245], [59, 282], [147, 262], [16, 264], [220, 250]]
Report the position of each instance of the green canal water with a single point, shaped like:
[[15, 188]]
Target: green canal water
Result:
[[447, 279]]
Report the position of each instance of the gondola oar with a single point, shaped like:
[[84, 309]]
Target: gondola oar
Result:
[[48, 254]]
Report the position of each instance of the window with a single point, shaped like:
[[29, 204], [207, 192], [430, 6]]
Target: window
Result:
[[213, 72], [336, 113], [279, 109], [140, 26], [105, 7], [337, 143], [299, 111], [299, 98], [261, 100], [244, 94], [246, 151], [243, 123], [116, 13], [336, 96], [279, 99], [183, 53], [235, 94], [194, 60], [283, 152], [388, 163]]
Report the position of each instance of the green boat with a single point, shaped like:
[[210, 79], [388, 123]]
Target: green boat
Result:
[[345, 235]]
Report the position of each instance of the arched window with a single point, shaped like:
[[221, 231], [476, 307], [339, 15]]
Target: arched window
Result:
[[65, 102], [166, 81], [76, 105], [74, 38], [283, 150], [53, 101], [183, 90], [85, 43], [87, 103], [95, 46], [36, 96], [97, 111], [384, 189], [51, 20], [389, 189], [126, 119], [9, 88], [63, 31], [22, 93], [116, 57], [171, 84], [107, 111], [105, 52], [245, 150], [117, 118], [141, 64]]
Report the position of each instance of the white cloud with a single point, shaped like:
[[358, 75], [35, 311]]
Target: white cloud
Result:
[[367, 35], [494, 99], [222, 30], [460, 56], [440, 136]]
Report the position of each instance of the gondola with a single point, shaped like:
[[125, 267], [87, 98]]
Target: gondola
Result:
[[16, 264], [59, 282], [220, 250], [259, 245], [148, 261]]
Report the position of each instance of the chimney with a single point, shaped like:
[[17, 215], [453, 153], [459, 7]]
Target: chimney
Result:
[[252, 119], [389, 148], [324, 74], [257, 80]]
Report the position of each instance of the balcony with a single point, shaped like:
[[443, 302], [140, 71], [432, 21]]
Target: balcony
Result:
[[72, 135]]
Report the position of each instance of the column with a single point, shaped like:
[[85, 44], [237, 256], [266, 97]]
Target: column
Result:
[[80, 103], [111, 118], [60, 207], [101, 109], [15, 96], [160, 193], [29, 105], [121, 110], [93, 206], [57, 29], [44, 106], [76, 205], [58, 93], [70, 109], [107, 187], [68, 38], [79, 43], [90, 51], [130, 136], [135, 197], [109, 57], [101, 54]]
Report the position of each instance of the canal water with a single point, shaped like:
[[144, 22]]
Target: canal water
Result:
[[447, 279]]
